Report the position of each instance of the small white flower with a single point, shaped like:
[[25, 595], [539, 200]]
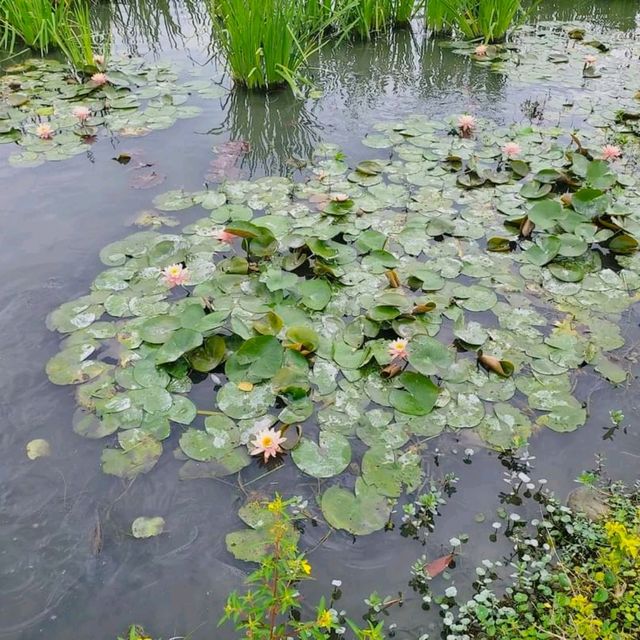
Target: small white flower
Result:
[[454, 542], [532, 542], [451, 592], [336, 583], [496, 525], [469, 452], [543, 481], [514, 517], [524, 477]]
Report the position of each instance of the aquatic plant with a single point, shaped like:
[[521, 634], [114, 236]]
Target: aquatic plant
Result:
[[486, 19], [365, 18], [32, 22], [266, 43], [80, 105], [438, 16], [320, 278], [74, 36]]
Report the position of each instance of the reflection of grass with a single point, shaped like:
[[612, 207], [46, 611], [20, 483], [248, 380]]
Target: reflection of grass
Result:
[[142, 21], [277, 127]]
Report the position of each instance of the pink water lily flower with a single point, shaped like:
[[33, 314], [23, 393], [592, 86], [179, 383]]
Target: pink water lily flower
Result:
[[590, 60], [267, 443], [175, 274], [466, 123], [99, 79], [511, 149], [44, 131], [81, 113], [481, 50], [225, 236], [398, 348], [611, 152]]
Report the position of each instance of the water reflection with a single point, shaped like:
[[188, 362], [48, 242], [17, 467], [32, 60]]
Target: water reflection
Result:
[[144, 25], [281, 130], [619, 14]]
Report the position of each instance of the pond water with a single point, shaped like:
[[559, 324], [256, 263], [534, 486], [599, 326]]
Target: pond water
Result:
[[55, 219]]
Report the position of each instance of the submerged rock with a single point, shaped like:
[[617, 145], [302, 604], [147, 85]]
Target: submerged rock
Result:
[[588, 501]]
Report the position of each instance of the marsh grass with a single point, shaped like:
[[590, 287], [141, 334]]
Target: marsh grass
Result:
[[74, 36], [32, 22], [44, 25], [437, 16], [267, 42], [489, 20], [364, 18]]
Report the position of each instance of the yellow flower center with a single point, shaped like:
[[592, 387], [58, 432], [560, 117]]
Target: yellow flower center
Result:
[[267, 441]]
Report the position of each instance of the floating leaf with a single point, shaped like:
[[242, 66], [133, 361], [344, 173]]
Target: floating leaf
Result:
[[38, 448], [361, 513], [437, 566], [418, 396], [143, 527], [326, 459]]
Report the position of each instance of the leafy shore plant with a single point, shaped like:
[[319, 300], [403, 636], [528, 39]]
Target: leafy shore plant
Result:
[[271, 606], [572, 576], [267, 42]]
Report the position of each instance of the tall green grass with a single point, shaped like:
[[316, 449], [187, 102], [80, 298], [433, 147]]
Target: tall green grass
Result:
[[43, 25], [438, 16], [489, 20], [267, 42], [365, 18], [75, 38], [32, 22]]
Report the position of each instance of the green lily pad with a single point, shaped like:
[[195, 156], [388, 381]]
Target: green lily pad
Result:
[[361, 513], [326, 459]]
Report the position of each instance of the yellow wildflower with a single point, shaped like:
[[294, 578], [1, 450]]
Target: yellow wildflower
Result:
[[630, 545], [276, 505], [614, 529], [324, 619], [306, 567]]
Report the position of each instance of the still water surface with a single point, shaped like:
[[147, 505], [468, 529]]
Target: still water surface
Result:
[[56, 217]]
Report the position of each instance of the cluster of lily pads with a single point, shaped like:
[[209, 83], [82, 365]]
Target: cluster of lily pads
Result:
[[587, 79], [52, 115], [462, 280]]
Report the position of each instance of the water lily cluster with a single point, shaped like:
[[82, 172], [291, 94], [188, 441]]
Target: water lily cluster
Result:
[[53, 115]]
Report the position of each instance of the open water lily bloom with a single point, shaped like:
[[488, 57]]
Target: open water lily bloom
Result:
[[611, 152], [99, 79], [512, 149], [267, 443], [398, 348], [225, 236], [175, 274], [81, 113], [466, 123], [481, 50], [44, 131]]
